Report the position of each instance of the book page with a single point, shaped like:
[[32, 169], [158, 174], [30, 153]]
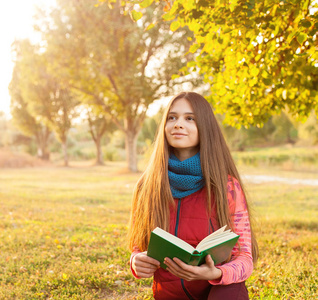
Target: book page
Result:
[[219, 240], [173, 239], [213, 234], [216, 237]]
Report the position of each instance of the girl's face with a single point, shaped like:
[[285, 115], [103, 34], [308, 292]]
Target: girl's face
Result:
[[181, 129]]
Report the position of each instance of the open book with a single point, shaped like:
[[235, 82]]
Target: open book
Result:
[[218, 244]]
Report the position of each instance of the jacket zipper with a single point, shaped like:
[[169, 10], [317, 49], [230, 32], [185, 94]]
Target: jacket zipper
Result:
[[211, 226], [176, 234], [185, 290], [177, 220]]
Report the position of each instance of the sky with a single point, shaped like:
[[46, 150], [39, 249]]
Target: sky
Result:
[[15, 23]]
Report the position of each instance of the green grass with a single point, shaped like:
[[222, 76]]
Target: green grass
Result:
[[287, 226], [63, 236], [285, 157]]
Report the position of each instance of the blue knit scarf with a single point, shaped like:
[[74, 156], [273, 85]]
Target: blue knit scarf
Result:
[[185, 177]]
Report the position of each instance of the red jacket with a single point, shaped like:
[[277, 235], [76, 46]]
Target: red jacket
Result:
[[189, 221]]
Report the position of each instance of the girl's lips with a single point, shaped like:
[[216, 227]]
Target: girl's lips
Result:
[[178, 134]]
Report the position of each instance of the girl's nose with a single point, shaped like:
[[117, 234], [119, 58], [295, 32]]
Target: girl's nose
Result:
[[178, 124]]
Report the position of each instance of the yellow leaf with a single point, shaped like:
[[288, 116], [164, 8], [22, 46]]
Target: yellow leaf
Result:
[[135, 15], [254, 72], [167, 7], [174, 25], [301, 38], [168, 16], [150, 26], [194, 48], [145, 3]]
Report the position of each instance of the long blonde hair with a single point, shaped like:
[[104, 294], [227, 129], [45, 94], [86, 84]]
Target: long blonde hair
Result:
[[152, 196]]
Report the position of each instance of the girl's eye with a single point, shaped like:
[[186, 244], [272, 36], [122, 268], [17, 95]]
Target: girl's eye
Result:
[[171, 117], [190, 118]]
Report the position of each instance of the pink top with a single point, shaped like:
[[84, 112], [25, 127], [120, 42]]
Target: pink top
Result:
[[241, 265]]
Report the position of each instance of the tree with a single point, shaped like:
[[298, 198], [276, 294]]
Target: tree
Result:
[[99, 124], [148, 130], [120, 65], [309, 130], [260, 56], [23, 119], [285, 130], [3, 121], [4, 124], [49, 101]]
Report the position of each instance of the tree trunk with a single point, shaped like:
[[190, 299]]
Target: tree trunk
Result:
[[99, 157], [64, 146], [131, 150], [43, 153], [42, 145]]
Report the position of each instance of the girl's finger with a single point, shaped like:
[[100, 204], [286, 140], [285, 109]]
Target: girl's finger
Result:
[[144, 274], [145, 264], [148, 260], [181, 264], [176, 270]]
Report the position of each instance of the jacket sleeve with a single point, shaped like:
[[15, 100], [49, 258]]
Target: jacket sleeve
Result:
[[240, 267], [135, 252]]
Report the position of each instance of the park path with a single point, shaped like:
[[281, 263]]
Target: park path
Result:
[[278, 179]]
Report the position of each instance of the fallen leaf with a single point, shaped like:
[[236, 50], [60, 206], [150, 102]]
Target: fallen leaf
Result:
[[118, 282]]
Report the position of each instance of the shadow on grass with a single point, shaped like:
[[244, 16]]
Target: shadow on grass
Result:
[[303, 225]]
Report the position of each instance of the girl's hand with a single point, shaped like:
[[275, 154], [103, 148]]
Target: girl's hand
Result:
[[143, 265], [206, 271]]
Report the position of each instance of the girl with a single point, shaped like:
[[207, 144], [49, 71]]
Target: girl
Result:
[[191, 188]]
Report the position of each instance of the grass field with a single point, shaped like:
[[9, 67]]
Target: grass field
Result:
[[63, 235]]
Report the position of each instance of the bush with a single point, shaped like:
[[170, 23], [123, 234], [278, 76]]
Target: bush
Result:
[[297, 157], [111, 153]]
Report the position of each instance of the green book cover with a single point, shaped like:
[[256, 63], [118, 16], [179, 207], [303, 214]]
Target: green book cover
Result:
[[218, 244]]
